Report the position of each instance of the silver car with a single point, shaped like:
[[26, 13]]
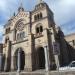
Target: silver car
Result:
[[70, 67]]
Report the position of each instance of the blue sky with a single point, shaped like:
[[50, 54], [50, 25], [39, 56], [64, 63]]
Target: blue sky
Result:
[[64, 12]]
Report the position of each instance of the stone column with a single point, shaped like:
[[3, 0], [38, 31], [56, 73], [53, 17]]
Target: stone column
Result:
[[1, 62], [5, 66], [12, 66], [14, 34], [18, 60], [47, 66]]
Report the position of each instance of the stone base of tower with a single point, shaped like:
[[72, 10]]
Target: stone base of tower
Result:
[[28, 70], [25, 70]]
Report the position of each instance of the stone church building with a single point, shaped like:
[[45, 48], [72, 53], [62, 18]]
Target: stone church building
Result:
[[28, 41]]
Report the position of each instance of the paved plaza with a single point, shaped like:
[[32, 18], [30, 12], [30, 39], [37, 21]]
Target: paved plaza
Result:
[[40, 72]]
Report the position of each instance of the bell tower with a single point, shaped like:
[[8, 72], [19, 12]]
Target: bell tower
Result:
[[42, 14], [42, 25]]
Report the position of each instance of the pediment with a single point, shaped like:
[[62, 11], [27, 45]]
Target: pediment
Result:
[[21, 15]]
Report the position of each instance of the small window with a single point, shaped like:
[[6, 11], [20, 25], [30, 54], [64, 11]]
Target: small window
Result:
[[35, 17], [7, 38], [23, 34], [40, 15], [41, 29], [20, 35], [7, 30], [37, 30]]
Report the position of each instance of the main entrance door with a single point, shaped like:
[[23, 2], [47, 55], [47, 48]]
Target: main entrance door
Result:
[[41, 58], [20, 57]]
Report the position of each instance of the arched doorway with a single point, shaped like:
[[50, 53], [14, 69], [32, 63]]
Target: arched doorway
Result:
[[41, 58], [22, 59]]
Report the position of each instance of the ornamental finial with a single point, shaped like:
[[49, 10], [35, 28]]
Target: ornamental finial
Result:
[[21, 6], [21, 1], [39, 1]]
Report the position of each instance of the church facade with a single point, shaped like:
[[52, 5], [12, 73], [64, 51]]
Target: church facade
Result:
[[28, 40]]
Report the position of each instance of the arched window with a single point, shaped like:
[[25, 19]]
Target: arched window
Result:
[[40, 15], [7, 30], [35, 17], [6, 39], [20, 36], [39, 28]]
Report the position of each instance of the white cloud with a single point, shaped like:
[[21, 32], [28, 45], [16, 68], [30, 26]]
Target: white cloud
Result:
[[1, 33], [1, 29], [2, 4], [64, 10]]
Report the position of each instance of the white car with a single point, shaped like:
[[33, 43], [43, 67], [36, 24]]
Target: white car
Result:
[[70, 67]]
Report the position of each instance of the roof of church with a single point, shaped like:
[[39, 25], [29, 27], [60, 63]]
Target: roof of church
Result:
[[38, 6], [73, 34], [41, 5]]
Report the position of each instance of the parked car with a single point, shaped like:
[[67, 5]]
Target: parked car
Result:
[[71, 66]]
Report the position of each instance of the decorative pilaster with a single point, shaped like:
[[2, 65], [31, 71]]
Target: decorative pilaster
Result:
[[12, 64], [18, 63], [28, 57], [7, 65], [14, 34]]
